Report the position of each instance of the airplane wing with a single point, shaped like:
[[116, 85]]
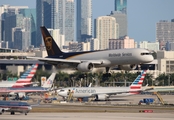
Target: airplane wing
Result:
[[56, 60]]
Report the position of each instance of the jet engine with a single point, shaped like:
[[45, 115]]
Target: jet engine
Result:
[[20, 95], [102, 97], [127, 67], [1, 111], [85, 67]]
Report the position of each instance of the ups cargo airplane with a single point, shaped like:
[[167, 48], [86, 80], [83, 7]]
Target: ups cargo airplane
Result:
[[104, 93], [85, 61]]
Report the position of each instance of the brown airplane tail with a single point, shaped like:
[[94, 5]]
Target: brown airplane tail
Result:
[[51, 46]]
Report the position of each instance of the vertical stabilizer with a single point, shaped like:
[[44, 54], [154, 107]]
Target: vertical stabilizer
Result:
[[28, 75], [49, 82], [50, 44], [137, 84]]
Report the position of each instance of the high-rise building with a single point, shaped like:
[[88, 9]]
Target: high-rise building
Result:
[[106, 28], [21, 38], [7, 11], [84, 20], [94, 44], [11, 22], [121, 19], [43, 15], [66, 19], [121, 5], [31, 13], [121, 43], [149, 45], [164, 32], [55, 14]]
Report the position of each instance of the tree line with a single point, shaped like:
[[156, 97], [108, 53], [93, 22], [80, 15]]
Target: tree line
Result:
[[84, 79]]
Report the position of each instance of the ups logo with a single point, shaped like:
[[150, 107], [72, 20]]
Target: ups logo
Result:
[[48, 43]]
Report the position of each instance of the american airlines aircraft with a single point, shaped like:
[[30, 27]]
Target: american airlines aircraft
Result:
[[14, 106], [22, 91], [85, 61], [104, 93], [24, 80]]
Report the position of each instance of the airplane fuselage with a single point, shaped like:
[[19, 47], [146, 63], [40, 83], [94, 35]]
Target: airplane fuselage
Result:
[[13, 106], [109, 57], [92, 91]]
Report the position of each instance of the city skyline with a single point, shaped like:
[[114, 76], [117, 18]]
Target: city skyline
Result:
[[142, 15]]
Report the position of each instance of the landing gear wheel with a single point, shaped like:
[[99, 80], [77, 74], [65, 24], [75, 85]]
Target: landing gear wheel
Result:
[[25, 113], [12, 113], [107, 75]]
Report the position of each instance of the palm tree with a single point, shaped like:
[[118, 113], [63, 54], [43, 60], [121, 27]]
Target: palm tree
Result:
[[148, 80], [161, 80]]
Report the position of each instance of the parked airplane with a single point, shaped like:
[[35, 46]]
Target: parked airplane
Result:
[[126, 59], [24, 80], [22, 91], [14, 106], [104, 93]]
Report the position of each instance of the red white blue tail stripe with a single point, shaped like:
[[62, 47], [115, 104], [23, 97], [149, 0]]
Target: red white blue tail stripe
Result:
[[25, 78], [137, 84]]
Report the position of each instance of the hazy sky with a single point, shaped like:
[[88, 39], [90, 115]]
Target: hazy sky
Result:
[[142, 14]]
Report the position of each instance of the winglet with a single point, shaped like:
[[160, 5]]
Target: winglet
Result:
[[50, 44]]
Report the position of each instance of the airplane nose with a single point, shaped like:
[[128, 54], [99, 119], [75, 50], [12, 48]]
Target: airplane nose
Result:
[[60, 93], [147, 59], [150, 58]]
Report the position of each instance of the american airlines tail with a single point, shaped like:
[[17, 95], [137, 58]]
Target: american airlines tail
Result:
[[136, 86], [50, 44], [49, 82], [27, 76]]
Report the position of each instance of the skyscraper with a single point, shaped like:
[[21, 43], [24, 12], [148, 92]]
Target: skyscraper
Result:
[[55, 14], [43, 15], [121, 19], [164, 32], [66, 19], [84, 20], [31, 13], [121, 5], [106, 28], [7, 11]]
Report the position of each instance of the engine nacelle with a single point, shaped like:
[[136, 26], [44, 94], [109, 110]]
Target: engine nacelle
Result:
[[21, 94], [102, 97], [1, 111], [127, 67], [85, 67]]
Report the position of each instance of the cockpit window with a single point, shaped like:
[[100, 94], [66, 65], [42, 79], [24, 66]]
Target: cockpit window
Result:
[[145, 53], [62, 90]]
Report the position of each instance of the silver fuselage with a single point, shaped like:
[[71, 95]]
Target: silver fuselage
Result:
[[80, 92]]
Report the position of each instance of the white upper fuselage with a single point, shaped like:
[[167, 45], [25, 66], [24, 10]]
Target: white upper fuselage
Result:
[[110, 58]]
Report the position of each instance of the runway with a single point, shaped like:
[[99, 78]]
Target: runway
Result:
[[110, 110], [89, 116]]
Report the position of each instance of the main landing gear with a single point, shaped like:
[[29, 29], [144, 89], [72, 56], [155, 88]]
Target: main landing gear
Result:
[[107, 74], [12, 112]]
